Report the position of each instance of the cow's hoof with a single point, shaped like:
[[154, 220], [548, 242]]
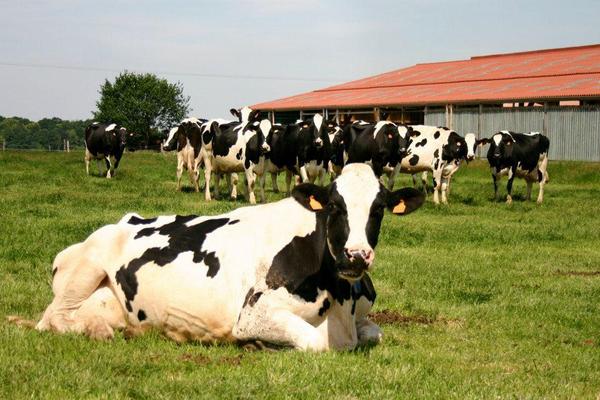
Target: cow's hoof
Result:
[[98, 329]]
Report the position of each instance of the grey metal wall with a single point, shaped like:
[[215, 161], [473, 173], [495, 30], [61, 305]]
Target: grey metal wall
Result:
[[574, 132]]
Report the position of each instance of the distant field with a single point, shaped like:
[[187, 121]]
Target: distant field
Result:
[[476, 300]]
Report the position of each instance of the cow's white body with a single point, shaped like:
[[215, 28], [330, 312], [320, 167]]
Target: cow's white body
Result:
[[430, 159]]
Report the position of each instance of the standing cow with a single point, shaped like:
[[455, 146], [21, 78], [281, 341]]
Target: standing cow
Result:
[[103, 141], [230, 147], [187, 139], [303, 283], [436, 149], [518, 154]]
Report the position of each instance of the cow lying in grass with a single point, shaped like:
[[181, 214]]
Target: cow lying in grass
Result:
[[291, 273]]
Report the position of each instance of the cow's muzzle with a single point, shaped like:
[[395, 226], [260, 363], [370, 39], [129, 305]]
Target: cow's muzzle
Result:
[[319, 143], [357, 263]]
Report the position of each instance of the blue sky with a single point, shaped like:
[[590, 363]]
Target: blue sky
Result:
[[299, 45]]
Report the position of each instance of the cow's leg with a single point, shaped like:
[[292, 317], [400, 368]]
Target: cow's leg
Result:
[[367, 331], [274, 182], [321, 176], [88, 158], [288, 181], [495, 180], [303, 173], [83, 301], [117, 160], [250, 178], [233, 186], [207, 174], [108, 167], [509, 184], [278, 326], [542, 177], [437, 184], [179, 172], [444, 189], [424, 182]]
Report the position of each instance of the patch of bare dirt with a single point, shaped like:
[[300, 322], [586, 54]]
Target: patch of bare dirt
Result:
[[577, 273], [392, 317]]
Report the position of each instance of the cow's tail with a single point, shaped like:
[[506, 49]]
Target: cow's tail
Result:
[[20, 321]]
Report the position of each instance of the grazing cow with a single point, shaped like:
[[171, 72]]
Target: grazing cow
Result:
[[187, 139], [436, 149], [235, 147], [303, 283], [103, 141], [382, 144], [518, 154]]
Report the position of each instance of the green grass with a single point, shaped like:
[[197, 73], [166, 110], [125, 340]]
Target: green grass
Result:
[[499, 302]]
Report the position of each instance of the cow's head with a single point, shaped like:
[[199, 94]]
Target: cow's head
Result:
[[275, 134], [353, 206], [261, 128], [501, 146], [242, 114], [170, 142], [456, 148], [404, 140]]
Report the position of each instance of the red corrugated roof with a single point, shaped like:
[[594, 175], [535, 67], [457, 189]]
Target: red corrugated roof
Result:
[[572, 72]]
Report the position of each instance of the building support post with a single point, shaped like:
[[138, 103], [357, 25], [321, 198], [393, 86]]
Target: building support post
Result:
[[545, 122], [376, 114]]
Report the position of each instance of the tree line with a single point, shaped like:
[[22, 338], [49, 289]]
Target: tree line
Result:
[[143, 103]]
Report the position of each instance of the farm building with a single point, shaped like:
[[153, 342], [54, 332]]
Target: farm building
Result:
[[554, 91]]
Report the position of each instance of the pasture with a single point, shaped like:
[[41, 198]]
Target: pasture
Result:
[[476, 299]]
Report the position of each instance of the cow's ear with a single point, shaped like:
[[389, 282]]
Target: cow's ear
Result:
[[404, 201], [235, 112], [482, 142], [311, 196]]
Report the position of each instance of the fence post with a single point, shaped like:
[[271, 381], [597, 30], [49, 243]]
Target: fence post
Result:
[[3, 144], [68, 146]]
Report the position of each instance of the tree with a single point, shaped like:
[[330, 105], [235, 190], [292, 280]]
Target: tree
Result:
[[143, 103]]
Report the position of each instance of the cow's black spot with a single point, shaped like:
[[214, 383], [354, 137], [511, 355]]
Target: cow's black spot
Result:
[[414, 160], [416, 133], [233, 222], [436, 153], [421, 143], [239, 154], [324, 307], [140, 221], [54, 271], [436, 134], [539, 174], [166, 229], [141, 315], [437, 164], [182, 238], [434, 183]]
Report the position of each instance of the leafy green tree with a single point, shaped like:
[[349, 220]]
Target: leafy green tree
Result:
[[143, 103]]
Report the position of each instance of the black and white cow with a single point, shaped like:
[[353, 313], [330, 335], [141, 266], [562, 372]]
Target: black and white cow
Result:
[[303, 283], [282, 155], [314, 147], [382, 144], [103, 141], [519, 154], [231, 147], [436, 149], [187, 140]]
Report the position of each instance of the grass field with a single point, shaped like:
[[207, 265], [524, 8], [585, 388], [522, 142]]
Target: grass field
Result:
[[476, 300]]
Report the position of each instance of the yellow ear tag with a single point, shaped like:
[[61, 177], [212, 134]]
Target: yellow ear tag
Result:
[[314, 204], [400, 208]]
